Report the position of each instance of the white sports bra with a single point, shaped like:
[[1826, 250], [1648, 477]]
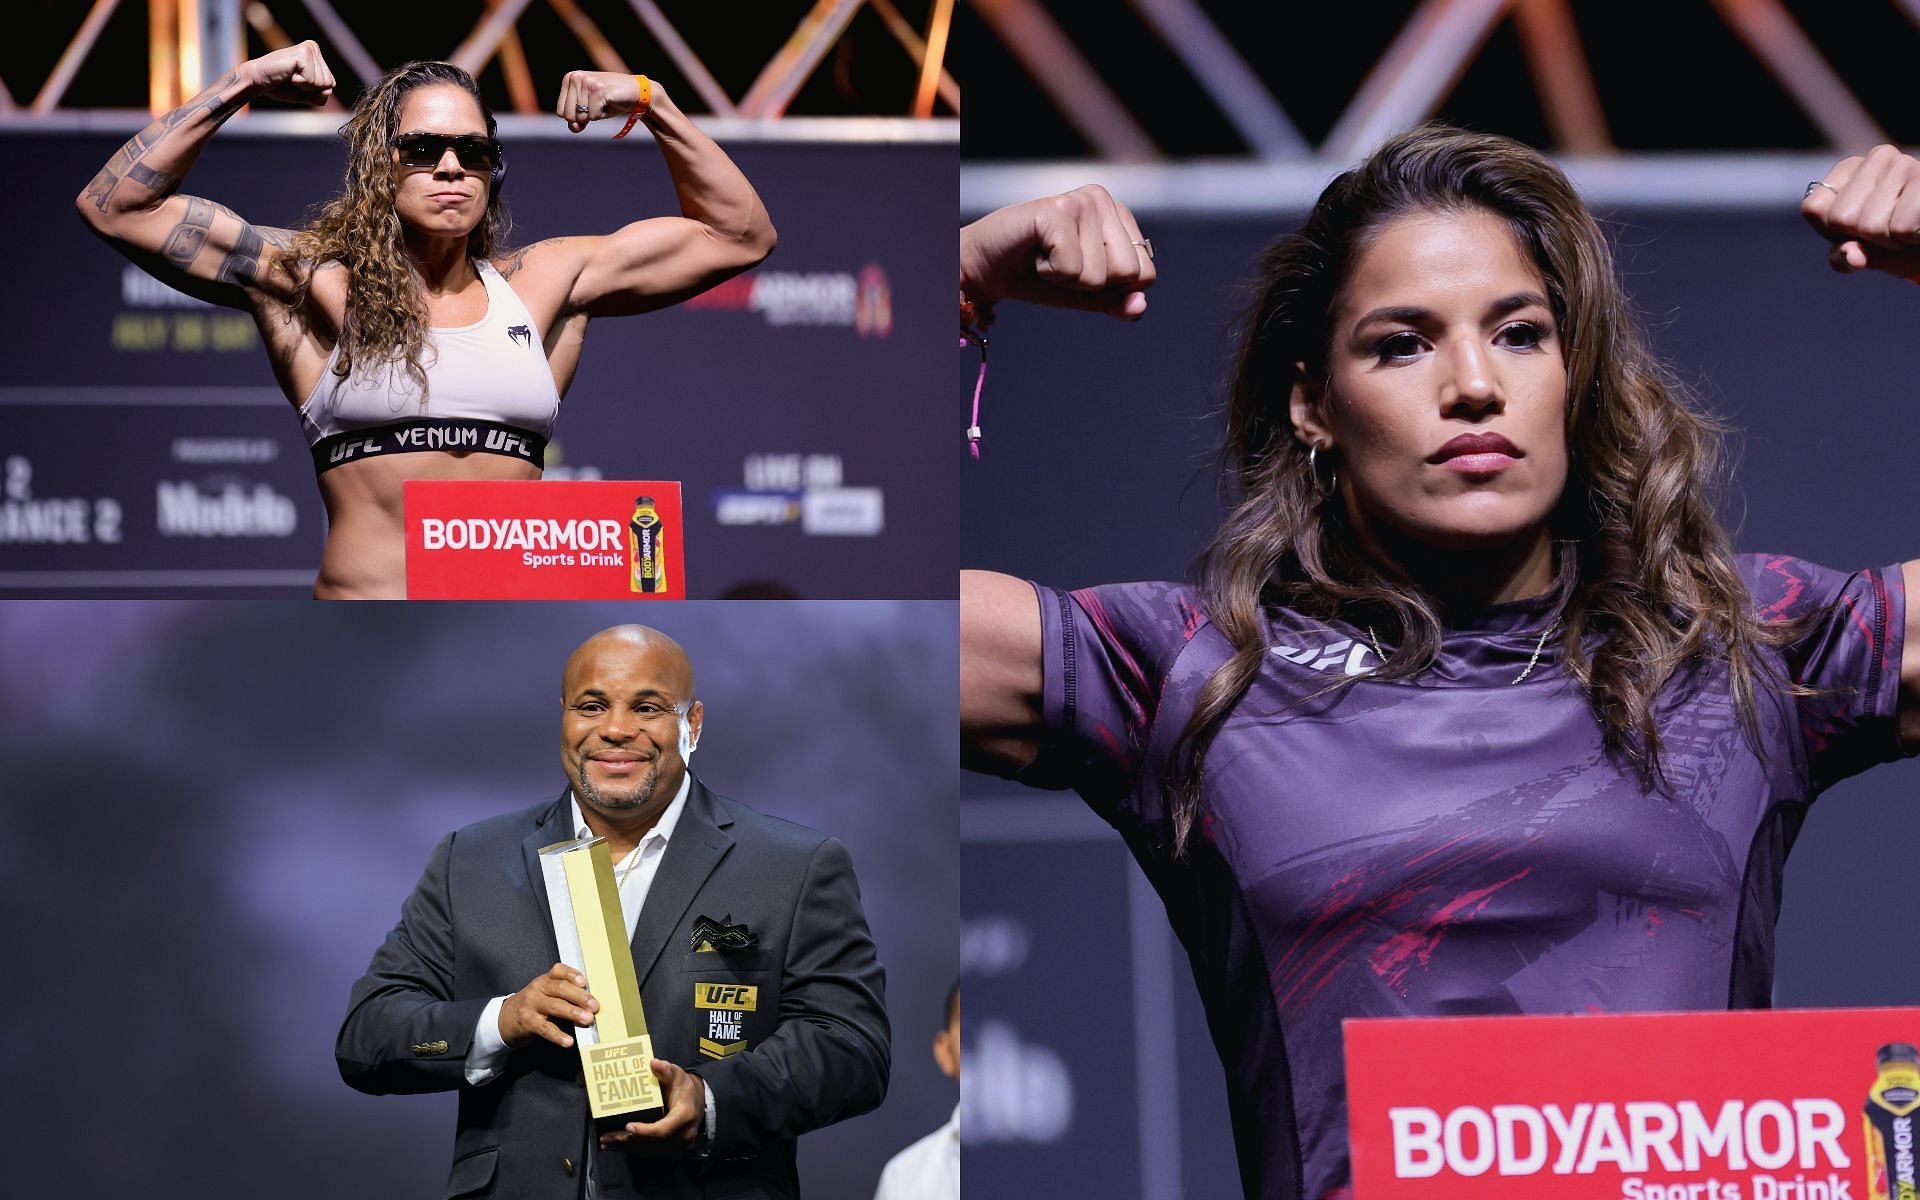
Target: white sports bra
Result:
[[489, 390]]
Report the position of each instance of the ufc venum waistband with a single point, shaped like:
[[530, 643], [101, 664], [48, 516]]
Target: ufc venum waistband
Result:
[[460, 434]]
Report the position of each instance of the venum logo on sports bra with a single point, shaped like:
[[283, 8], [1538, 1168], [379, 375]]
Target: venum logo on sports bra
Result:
[[520, 335], [456, 434]]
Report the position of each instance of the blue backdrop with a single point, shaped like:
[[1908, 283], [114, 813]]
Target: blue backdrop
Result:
[[211, 812]]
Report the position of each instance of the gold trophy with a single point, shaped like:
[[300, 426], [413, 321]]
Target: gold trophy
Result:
[[615, 1051]]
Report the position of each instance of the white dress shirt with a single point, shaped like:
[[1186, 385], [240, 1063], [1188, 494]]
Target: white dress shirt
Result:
[[927, 1170], [635, 877]]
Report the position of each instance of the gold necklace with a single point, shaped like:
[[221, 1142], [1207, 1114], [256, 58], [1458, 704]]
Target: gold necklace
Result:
[[633, 856], [1528, 670]]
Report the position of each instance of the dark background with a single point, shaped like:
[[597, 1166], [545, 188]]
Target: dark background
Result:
[[865, 73], [211, 812], [1672, 76], [1096, 468]]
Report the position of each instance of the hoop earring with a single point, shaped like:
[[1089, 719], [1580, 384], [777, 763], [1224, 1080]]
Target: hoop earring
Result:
[[1313, 468]]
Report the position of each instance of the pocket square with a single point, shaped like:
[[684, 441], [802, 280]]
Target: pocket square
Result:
[[709, 935]]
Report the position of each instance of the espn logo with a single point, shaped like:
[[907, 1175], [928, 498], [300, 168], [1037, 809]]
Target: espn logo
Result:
[[742, 996]]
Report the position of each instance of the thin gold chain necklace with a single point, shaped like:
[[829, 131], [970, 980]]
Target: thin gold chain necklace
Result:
[[633, 856], [1528, 670]]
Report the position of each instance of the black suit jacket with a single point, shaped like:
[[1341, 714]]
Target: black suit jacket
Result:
[[477, 926]]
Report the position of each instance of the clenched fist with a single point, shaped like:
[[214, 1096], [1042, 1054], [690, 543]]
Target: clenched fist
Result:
[[587, 96], [1869, 208], [1081, 249], [297, 73], [540, 1009]]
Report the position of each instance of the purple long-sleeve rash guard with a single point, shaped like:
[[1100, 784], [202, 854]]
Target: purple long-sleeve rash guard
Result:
[[1455, 843]]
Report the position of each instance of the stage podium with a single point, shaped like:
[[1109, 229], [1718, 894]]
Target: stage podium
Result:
[[1806, 1105], [544, 540]]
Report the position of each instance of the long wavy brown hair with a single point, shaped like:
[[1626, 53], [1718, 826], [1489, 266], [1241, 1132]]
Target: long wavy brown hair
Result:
[[1651, 568], [386, 314]]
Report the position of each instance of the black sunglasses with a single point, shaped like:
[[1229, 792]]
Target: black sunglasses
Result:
[[476, 152]]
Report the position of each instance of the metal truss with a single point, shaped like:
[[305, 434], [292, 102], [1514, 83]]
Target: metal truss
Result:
[[1409, 81], [192, 42], [1283, 171]]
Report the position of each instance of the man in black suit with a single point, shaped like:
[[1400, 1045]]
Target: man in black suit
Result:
[[466, 993]]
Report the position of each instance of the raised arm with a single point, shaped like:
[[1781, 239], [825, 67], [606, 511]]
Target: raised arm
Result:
[[722, 228], [1868, 209], [190, 243], [1000, 674], [1910, 656], [1081, 249]]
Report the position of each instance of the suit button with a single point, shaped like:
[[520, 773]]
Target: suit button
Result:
[[567, 1165]]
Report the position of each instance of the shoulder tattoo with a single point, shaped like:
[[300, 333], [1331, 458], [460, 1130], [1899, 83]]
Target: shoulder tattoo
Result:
[[513, 262]]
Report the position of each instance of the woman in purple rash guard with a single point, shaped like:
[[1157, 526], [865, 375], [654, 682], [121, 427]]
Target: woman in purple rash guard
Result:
[[1470, 707]]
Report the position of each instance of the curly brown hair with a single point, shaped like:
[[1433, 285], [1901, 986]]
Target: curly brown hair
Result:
[[1652, 566], [386, 316]]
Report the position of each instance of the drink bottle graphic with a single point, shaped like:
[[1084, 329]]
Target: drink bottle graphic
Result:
[[646, 534], [1893, 1109]]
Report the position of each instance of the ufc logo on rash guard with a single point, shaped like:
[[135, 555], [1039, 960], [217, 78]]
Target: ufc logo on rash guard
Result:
[[1346, 656]]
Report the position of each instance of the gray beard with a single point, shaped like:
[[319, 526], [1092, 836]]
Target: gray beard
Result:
[[595, 798]]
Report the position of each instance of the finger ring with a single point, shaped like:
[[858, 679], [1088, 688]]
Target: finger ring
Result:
[[1819, 183], [580, 108], [1145, 244]]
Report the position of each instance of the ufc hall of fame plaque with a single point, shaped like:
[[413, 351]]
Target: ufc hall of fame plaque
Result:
[[615, 1051]]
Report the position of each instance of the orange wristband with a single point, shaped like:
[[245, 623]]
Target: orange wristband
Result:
[[646, 102]]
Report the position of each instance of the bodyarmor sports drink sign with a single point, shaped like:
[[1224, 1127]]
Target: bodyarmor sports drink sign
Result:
[[544, 540], [1812, 1105]]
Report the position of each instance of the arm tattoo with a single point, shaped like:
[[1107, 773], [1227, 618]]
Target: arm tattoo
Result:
[[243, 263], [157, 182], [183, 244], [102, 187], [216, 109], [127, 164]]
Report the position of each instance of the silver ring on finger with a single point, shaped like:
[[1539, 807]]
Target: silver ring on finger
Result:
[[1819, 183], [1145, 244], [581, 109]]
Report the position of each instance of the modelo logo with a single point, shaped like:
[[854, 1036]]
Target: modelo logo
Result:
[[186, 510], [1017, 1091], [1520, 1139]]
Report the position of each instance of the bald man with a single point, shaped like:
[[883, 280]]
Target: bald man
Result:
[[467, 994]]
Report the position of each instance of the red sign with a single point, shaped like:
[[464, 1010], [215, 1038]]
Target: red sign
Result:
[[1809, 1105], [544, 540]]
